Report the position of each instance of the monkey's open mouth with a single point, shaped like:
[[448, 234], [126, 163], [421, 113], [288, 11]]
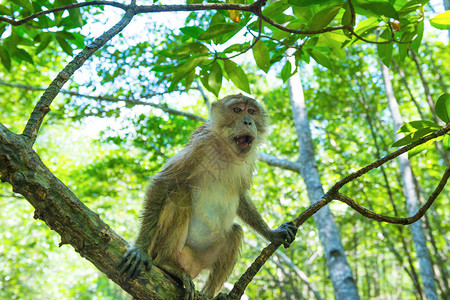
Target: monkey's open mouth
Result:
[[243, 141]]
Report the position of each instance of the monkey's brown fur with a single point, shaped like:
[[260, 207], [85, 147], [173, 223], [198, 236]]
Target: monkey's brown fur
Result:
[[187, 220]]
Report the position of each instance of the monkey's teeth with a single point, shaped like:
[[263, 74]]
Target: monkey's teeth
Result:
[[244, 141]]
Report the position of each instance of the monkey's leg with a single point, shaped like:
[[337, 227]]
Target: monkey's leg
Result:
[[224, 264], [178, 272]]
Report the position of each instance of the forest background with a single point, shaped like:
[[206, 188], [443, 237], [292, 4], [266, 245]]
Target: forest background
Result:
[[135, 102]]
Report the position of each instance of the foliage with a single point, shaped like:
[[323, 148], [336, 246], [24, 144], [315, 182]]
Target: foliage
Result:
[[108, 166]]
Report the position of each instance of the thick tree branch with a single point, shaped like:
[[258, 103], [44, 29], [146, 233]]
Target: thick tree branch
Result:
[[43, 106], [78, 226]]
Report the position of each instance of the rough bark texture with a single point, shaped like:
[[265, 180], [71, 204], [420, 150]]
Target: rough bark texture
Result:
[[340, 272], [409, 188], [78, 226]]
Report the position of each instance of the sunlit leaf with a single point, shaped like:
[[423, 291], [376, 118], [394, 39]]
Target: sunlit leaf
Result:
[[412, 137], [423, 147], [446, 141], [441, 21], [416, 125]]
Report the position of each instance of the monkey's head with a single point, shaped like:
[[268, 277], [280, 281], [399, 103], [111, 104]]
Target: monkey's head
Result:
[[239, 120]]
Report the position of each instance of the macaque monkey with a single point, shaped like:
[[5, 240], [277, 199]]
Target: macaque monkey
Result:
[[187, 219]]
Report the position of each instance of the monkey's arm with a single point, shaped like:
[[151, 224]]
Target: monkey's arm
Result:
[[285, 234]]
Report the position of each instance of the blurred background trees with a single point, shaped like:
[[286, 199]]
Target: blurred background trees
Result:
[[121, 117]]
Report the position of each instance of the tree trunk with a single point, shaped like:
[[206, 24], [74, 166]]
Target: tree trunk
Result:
[[409, 189], [340, 273]]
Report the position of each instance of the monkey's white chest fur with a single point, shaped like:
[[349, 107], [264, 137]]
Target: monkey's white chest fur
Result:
[[215, 200]]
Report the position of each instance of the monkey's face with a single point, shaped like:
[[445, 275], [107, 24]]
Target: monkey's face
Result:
[[240, 120]]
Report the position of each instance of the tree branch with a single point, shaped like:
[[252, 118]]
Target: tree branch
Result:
[[61, 8], [131, 101], [278, 162], [42, 107]]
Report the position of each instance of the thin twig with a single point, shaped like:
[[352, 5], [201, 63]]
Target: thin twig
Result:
[[61, 8]]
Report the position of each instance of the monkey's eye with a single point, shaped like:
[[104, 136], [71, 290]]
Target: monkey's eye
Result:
[[251, 111], [237, 109]]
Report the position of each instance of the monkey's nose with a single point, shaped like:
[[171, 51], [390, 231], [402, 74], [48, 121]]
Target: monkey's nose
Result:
[[247, 121]]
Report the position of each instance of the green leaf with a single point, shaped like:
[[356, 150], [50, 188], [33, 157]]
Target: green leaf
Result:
[[23, 55], [237, 75], [215, 79], [286, 71], [75, 17], [413, 126], [261, 55], [306, 2], [366, 25], [218, 30], [188, 79], [236, 48], [443, 107], [425, 146], [385, 50], [412, 137], [184, 70], [46, 38], [192, 31], [24, 3], [324, 17], [4, 10], [275, 8], [446, 141], [65, 45], [415, 44], [4, 57], [441, 21], [320, 57], [191, 48], [378, 8]]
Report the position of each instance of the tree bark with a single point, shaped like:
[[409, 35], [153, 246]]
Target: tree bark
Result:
[[409, 188], [340, 272]]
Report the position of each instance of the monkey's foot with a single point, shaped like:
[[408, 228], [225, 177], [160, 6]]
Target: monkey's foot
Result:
[[184, 277], [221, 296], [131, 261], [189, 287], [285, 234]]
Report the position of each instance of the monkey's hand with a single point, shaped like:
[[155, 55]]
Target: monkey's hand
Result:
[[131, 261], [285, 234]]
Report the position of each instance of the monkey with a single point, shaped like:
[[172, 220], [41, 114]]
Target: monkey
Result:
[[187, 222]]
